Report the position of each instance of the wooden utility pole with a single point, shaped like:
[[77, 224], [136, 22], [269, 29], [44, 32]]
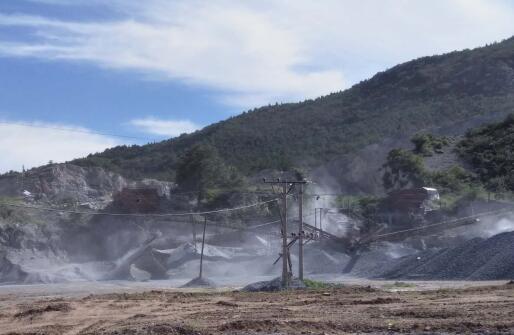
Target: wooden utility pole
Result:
[[285, 251], [22, 179], [300, 232], [287, 187], [203, 243], [193, 224], [320, 225]]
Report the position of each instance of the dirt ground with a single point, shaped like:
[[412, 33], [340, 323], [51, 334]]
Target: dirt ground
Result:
[[349, 309]]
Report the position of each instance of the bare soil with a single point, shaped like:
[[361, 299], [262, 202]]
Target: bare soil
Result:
[[344, 310]]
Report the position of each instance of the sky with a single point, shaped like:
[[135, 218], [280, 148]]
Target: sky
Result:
[[75, 74]]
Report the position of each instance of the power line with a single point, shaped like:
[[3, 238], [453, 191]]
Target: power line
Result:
[[171, 194], [138, 214], [325, 194], [225, 190], [251, 228], [245, 229], [74, 130], [490, 213]]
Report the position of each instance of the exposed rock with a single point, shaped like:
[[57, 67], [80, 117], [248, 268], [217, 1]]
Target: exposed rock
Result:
[[69, 184], [66, 184], [9, 272], [138, 274], [123, 266], [164, 188]]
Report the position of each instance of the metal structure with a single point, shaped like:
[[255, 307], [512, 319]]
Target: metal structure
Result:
[[354, 245], [287, 186]]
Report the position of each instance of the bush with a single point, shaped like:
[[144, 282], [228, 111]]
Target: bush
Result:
[[454, 179], [403, 169], [428, 144], [490, 152], [317, 284]]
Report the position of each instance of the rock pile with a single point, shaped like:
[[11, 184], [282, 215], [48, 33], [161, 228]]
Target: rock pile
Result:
[[200, 282], [272, 285], [476, 259]]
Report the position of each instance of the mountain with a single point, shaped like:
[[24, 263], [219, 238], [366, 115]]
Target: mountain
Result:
[[346, 135]]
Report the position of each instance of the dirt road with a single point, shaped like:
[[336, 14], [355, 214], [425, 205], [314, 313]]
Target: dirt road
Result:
[[351, 309]]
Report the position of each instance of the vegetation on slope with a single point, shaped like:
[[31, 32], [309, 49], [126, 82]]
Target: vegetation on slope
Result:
[[421, 94], [490, 152], [428, 144], [203, 171], [406, 169], [485, 168]]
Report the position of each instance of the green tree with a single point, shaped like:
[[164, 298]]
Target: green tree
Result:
[[428, 144], [454, 179], [201, 169], [422, 144], [403, 169]]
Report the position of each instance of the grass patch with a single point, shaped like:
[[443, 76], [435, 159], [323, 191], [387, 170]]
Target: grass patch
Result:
[[11, 200], [317, 284]]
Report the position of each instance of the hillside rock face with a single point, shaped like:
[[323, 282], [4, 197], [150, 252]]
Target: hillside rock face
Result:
[[91, 187], [64, 183]]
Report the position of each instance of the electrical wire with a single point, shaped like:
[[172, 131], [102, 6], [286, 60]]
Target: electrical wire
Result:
[[504, 211], [139, 214], [171, 194]]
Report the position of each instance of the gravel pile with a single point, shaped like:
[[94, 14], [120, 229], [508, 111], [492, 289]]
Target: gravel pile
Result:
[[199, 282], [273, 285], [476, 259]]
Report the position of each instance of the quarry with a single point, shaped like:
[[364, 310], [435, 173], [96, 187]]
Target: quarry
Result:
[[256, 167], [102, 227], [79, 237]]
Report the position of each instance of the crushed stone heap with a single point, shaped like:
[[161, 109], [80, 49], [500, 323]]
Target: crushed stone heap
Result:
[[476, 259]]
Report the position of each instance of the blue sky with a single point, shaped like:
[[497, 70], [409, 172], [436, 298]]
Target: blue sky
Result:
[[154, 69]]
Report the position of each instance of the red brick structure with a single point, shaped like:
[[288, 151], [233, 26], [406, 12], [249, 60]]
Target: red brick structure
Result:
[[410, 206], [137, 200]]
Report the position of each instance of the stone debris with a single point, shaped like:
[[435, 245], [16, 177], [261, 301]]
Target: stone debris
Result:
[[273, 285], [202, 282], [476, 259], [138, 274]]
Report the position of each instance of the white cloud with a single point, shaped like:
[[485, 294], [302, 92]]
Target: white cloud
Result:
[[257, 52], [171, 128], [36, 144]]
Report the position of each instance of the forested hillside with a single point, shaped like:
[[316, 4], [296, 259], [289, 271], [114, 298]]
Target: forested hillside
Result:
[[481, 163], [423, 94], [490, 152]]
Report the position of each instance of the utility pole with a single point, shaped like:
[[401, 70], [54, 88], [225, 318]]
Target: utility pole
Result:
[[193, 224], [22, 179], [320, 226], [285, 271], [203, 243], [287, 187], [300, 232], [315, 218]]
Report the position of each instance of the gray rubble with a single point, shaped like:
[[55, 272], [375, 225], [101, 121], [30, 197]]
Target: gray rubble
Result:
[[476, 259], [200, 282], [273, 285]]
